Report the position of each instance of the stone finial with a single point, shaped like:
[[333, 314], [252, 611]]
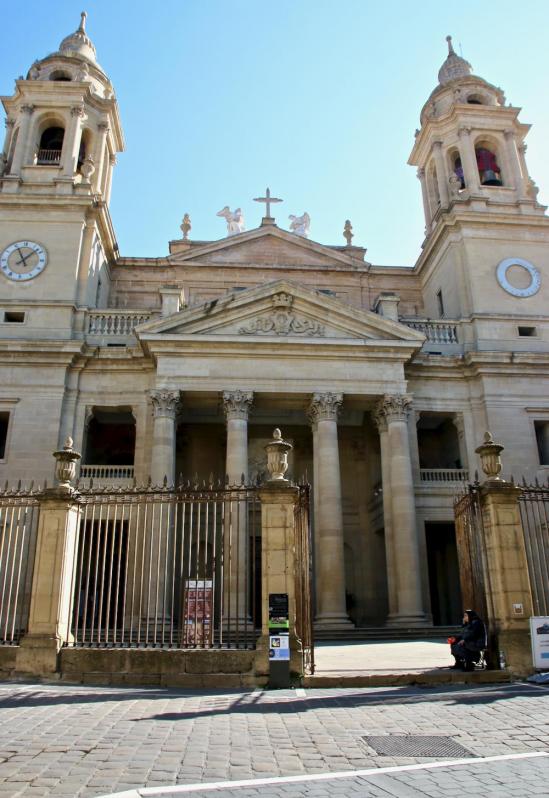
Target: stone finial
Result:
[[186, 226], [82, 26], [451, 50], [88, 168], [277, 457], [65, 464], [348, 232], [490, 460]]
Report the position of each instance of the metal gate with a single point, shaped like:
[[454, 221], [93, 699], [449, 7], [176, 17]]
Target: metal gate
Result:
[[534, 513], [303, 579], [471, 548]]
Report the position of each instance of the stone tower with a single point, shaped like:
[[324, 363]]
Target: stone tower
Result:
[[486, 249], [62, 135]]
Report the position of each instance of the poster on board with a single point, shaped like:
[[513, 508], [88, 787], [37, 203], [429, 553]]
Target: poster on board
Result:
[[539, 632]]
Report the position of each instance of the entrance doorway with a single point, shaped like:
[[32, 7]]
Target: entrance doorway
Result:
[[443, 567]]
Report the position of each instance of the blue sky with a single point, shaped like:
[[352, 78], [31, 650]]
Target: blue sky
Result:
[[319, 100]]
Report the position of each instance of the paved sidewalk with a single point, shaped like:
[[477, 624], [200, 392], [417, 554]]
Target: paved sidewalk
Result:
[[76, 741], [386, 656]]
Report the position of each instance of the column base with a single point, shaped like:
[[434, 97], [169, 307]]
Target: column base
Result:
[[335, 622], [419, 619]]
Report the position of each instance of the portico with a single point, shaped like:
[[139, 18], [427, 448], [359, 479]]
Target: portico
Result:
[[334, 379]]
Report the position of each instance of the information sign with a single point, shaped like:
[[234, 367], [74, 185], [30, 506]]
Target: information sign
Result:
[[279, 647], [539, 632], [197, 612]]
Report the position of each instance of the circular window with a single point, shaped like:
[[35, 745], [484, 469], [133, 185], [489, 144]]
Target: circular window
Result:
[[518, 277]]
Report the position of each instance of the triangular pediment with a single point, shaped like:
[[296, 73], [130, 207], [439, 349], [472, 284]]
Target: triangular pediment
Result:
[[281, 309], [268, 246]]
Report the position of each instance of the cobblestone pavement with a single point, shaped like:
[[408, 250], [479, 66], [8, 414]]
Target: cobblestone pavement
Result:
[[92, 741]]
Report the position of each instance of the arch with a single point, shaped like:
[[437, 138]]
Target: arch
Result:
[[476, 99], [86, 147], [50, 146], [456, 167], [489, 170]]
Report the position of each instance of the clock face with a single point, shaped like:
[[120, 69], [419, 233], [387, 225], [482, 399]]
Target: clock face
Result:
[[528, 283], [23, 260]]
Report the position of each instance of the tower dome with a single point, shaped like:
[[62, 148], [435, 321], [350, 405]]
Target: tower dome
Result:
[[78, 43], [454, 67]]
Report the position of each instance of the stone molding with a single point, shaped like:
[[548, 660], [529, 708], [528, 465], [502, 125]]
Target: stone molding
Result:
[[283, 323], [324, 407], [165, 403], [392, 408], [237, 404]]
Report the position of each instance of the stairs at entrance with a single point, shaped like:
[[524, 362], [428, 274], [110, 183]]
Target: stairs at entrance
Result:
[[388, 633]]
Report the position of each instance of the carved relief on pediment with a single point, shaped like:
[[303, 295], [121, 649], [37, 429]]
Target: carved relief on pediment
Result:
[[281, 322]]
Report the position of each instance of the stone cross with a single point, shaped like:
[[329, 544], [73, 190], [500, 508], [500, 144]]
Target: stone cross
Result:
[[267, 199]]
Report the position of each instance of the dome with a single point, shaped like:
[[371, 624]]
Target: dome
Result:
[[454, 67], [78, 43]]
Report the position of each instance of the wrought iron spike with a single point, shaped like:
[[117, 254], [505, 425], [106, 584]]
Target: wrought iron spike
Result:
[[537, 483], [45, 484], [242, 479], [91, 483], [134, 481], [149, 481], [211, 479], [476, 476], [512, 480], [6, 486], [165, 481], [180, 484], [19, 486], [523, 480], [226, 479]]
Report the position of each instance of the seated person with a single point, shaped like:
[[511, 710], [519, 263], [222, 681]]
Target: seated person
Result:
[[467, 648]]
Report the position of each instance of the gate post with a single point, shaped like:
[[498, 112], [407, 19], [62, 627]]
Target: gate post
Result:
[[507, 582], [54, 566], [278, 538]]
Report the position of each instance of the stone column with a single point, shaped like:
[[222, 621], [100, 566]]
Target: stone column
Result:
[[166, 404], [514, 162], [425, 198], [468, 160], [442, 173], [381, 423], [108, 177], [395, 409], [330, 561], [316, 516], [99, 154], [22, 140], [71, 143], [236, 405]]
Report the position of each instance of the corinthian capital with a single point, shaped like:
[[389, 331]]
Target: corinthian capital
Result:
[[165, 403], [237, 404], [324, 406], [392, 408]]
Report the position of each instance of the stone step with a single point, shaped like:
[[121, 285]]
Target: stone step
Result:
[[424, 678], [387, 633]]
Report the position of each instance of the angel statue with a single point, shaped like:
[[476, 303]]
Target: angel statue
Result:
[[235, 220], [300, 224]]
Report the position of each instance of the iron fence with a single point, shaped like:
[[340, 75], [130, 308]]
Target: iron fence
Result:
[[303, 579], [161, 567], [19, 512], [534, 512]]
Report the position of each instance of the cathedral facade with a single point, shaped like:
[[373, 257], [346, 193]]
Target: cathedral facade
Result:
[[383, 379]]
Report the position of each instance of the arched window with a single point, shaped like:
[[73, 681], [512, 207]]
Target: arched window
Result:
[[488, 169], [457, 168], [84, 149], [51, 144], [60, 76], [475, 99]]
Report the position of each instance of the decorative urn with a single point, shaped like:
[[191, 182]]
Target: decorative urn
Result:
[[277, 457], [65, 464], [490, 459]]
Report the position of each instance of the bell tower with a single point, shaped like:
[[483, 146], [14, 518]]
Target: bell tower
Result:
[[62, 134], [486, 233]]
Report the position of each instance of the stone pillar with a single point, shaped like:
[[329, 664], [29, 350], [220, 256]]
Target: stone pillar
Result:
[[108, 178], [330, 561], [442, 173], [82, 298], [507, 581], [514, 163], [395, 409], [71, 143], [425, 198], [54, 568], [166, 404], [381, 423], [22, 140], [468, 160], [236, 405], [316, 515], [277, 565]]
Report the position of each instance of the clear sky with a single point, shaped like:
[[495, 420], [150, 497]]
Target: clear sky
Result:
[[318, 100]]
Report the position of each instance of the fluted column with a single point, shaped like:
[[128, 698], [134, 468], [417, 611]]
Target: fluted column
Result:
[[386, 493], [22, 139], [514, 162], [236, 405], [100, 155], [166, 404], [330, 560], [468, 160], [395, 410], [425, 198], [442, 174], [71, 143]]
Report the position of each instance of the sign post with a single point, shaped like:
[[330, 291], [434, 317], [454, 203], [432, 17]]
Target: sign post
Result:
[[279, 641], [539, 632]]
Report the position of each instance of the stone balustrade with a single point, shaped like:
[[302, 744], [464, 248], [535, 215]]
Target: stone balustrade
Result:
[[115, 322], [439, 332], [446, 475], [106, 472]]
